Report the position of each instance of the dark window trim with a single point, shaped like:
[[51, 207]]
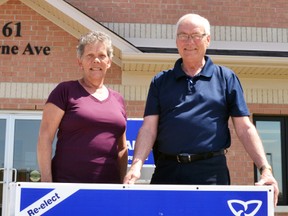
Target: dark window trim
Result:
[[219, 52], [284, 147]]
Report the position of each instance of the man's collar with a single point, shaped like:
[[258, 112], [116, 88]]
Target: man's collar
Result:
[[206, 71]]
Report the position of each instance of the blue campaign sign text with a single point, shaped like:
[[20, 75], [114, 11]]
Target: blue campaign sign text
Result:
[[133, 126]]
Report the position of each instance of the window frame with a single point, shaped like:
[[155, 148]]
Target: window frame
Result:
[[284, 150]]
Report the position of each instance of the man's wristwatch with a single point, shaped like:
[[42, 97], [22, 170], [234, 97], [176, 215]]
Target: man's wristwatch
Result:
[[265, 167]]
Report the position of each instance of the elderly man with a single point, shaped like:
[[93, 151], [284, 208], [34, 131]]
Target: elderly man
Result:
[[186, 117]]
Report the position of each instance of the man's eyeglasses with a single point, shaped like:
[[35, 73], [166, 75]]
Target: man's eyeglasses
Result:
[[194, 37]]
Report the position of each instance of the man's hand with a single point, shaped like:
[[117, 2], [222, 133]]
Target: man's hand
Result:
[[134, 173], [268, 179]]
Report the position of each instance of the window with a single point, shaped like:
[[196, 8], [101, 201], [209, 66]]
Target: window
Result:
[[274, 135]]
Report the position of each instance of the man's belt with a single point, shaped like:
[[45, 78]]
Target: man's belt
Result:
[[188, 158]]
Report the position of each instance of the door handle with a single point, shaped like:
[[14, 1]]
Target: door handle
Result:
[[15, 175], [2, 179]]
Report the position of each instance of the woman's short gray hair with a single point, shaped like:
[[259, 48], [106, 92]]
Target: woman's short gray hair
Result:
[[92, 37], [202, 20]]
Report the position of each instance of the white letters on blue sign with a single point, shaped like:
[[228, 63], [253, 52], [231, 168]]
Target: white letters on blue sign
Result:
[[130, 145], [47, 202]]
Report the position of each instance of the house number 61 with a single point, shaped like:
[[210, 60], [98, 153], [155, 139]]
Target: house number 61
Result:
[[7, 30]]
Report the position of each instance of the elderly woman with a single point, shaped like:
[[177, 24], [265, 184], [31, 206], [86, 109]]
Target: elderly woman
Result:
[[90, 121]]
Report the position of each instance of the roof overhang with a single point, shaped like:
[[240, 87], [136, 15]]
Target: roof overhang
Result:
[[244, 66], [255, 66]]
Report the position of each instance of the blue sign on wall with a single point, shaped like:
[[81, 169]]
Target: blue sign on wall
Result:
[[133, 126]]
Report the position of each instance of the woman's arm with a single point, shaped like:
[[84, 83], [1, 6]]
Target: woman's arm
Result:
[[51, 119], [122, 156]]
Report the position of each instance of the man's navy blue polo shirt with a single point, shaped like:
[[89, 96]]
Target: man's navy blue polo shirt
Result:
[[194, 111]]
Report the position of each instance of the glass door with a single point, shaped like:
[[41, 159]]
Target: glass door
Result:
[[2, 150], [25, 146], [18, 152]]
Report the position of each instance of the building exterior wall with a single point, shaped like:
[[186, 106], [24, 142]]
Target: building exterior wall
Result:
[[26, 78], [264, 13], [242, 25]]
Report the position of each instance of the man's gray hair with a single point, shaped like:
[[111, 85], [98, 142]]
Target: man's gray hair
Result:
[[200, 19]]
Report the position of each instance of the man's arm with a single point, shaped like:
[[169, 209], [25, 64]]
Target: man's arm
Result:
[[252, 143], [143, 146]]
